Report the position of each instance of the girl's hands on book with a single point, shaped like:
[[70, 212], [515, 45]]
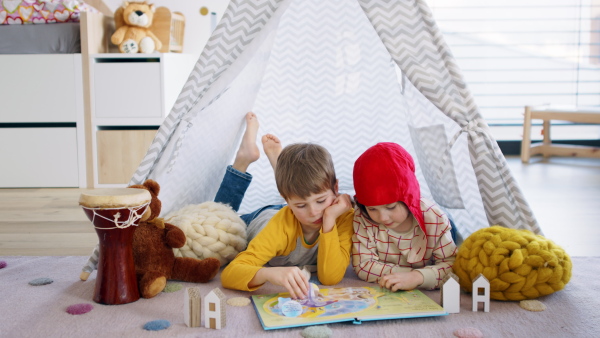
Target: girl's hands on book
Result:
[[290, 277], [402, 280]]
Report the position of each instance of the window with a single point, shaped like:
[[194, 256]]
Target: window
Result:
[[515, 53]]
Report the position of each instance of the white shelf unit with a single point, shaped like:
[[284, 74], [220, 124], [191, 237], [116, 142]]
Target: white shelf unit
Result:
[[41, 121], [130, 96]]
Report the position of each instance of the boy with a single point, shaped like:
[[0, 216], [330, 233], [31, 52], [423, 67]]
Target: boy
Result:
[[314, 228]]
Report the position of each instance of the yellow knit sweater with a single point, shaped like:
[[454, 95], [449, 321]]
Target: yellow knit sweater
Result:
[[279, 238]]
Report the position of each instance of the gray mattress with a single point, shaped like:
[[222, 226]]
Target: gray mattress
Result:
[[57, 38]]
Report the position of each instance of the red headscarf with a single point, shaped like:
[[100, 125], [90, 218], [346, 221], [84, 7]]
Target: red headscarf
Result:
[[385, 174]]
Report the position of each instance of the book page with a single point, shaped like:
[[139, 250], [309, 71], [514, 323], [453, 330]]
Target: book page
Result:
[[347, 304]]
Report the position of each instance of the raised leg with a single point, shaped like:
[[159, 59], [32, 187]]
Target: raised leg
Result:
[[236, 179], [272, 148], [248, 151]]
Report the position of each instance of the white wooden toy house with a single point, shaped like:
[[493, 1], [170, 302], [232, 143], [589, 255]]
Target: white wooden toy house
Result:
[[450, 293], [214, 309], [481, 293]]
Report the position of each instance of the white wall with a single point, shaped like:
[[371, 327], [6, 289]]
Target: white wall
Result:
[[197, 26]]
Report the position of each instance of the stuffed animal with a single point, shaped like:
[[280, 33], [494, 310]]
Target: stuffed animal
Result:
[[153, 243], [132, 23]]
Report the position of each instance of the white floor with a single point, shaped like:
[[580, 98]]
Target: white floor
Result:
[[564, 194]]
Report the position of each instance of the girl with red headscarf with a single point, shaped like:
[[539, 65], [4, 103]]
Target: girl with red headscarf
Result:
[[401, 241]]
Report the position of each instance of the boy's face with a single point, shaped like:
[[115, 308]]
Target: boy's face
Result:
[[394, 216], [309, 210]]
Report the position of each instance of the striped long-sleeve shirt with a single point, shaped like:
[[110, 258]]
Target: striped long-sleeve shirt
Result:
[[378, 251]]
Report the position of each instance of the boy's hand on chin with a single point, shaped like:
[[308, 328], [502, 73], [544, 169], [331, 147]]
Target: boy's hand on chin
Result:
[[340, 205], [291, 278]]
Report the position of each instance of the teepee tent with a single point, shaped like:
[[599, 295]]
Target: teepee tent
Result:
[[345, 74]]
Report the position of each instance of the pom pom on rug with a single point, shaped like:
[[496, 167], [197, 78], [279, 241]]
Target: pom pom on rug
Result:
[[532, 305], [519, 264], [41, 281], [157, 325], [79, 309], [172, 287], [238, 301], [212, 230], [317, 331], [2, 264], [468, 332]]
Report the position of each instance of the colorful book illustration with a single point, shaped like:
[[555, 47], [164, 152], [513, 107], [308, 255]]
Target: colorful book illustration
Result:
[[354, 304]]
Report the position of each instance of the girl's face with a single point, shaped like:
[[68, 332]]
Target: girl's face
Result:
[[394, 216]]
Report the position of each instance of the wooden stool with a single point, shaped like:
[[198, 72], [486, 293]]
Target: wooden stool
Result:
[[546, 147]]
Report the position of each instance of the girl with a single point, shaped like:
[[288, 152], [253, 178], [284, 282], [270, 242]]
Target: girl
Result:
[[401, 241]]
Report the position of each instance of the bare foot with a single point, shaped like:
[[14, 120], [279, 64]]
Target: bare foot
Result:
[[272, 147], [248, 151]]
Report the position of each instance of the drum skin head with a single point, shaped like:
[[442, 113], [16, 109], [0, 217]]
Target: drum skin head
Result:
[[114, 198]]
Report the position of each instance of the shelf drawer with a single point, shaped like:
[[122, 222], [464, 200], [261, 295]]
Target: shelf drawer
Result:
[[120, 152], [38, 157], [127, 89], [40, 88]]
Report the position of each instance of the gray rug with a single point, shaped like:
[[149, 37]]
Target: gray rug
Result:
[[40, 311]]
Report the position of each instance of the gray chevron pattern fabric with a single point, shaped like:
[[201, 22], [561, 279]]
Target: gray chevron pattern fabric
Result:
[[327, 72], [240, 24], [319, 53], [345, 74], [410, 34], [181, 154]]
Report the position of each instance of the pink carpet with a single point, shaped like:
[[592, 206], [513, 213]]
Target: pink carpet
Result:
[[40, 311]]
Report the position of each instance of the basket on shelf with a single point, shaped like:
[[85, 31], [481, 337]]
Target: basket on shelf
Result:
[[169, 28]]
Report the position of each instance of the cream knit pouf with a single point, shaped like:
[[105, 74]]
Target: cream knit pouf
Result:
[[212, 230]]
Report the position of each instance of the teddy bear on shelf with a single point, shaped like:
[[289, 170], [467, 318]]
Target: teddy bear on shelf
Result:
[[132, 23], [153, 243]]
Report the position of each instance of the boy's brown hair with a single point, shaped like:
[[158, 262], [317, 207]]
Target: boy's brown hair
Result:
[[303, 169]]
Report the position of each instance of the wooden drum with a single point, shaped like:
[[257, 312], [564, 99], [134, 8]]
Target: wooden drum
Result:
[[115, 213]]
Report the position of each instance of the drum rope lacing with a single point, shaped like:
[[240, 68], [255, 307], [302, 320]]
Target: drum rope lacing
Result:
[[131, 220]]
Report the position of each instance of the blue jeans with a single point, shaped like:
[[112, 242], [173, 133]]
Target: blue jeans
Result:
[[453, 230], [232, 191]]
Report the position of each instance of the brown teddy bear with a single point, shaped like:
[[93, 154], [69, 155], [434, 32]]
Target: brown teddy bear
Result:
[[153, 243], [133, 35]]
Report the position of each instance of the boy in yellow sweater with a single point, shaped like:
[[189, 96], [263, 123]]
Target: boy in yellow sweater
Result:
[[315, 227]]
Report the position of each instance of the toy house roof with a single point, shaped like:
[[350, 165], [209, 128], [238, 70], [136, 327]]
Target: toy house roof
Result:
[[218, 293], [450, 276], [479, 278]]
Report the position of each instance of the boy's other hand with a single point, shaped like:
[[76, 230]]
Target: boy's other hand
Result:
[[290, 277], [340, 205], [402, 280]]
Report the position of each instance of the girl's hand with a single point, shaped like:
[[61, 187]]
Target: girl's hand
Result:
[[401, 280], [290, 277]]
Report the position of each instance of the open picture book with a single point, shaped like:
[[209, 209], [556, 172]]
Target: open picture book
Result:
[[356, 304]]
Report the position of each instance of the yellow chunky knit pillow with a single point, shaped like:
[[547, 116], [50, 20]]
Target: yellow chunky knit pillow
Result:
[[519, 264]]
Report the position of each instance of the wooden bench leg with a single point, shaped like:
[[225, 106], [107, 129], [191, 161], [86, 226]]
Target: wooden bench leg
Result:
[[547, 141], [526, 142]]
